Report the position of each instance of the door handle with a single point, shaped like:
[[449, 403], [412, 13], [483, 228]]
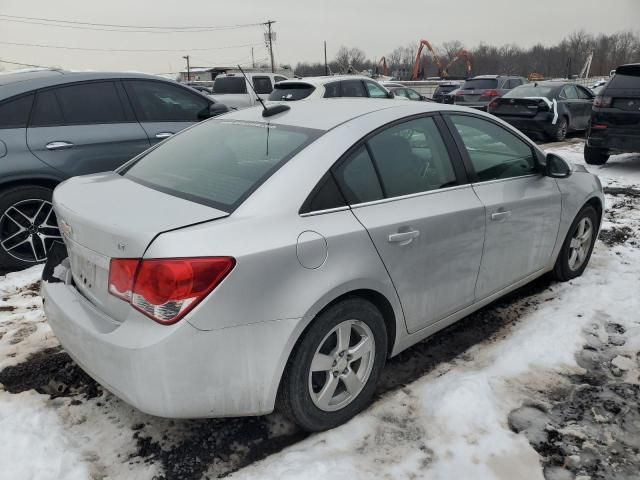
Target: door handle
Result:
[[500, 216], [404, 238], [164, 135], [58, 145]]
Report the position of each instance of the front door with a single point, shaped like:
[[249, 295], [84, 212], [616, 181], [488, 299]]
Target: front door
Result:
[[522, 205], [164, 109], [84, 128], [426, 223]]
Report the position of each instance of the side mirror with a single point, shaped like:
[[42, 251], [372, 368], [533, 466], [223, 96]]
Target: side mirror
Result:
[[216, 109], [556, 166], [390, 95]]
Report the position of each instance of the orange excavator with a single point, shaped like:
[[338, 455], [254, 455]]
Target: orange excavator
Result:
[[434, 55], [461, 54], [385, 70]]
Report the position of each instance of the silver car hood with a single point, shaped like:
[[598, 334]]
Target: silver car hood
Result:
[[117, 217]]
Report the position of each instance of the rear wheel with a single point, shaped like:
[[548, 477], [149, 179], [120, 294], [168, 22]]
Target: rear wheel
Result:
[[595, 156], [28, 226], [577, 247], [561, 129], [333, 371]]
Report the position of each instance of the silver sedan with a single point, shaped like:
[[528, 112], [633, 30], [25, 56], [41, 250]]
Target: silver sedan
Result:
[[258, 260]]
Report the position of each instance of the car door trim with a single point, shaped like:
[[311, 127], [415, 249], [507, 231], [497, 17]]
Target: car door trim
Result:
[[410, 195]]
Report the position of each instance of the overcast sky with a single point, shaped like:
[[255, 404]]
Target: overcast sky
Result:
[[373, 25]]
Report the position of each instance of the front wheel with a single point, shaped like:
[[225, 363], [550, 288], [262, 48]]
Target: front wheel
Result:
[[332, 373], [578, 245]]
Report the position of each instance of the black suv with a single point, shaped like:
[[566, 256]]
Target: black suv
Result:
[[615, 118]]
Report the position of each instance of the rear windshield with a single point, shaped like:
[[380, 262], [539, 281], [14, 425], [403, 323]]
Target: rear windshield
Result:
[[446, 88], [291, 91], [479, 83], [625, 80], [229, 85], [219, 162], [529, 91]]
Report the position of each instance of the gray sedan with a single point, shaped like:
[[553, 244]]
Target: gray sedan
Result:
[[252, 261]]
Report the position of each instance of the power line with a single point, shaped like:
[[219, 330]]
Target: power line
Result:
[[22, 64], [64, 47], [142, 27]]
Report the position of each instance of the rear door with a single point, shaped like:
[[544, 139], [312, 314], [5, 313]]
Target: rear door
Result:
[[84, 128], [522, 205], [426, 223], [163, 109], [569, 96], [586, 103]]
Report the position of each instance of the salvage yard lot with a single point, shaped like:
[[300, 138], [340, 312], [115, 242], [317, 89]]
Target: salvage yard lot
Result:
[[543, 383]]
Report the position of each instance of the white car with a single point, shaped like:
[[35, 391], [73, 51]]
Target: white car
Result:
[[234, 90], [328, 87]]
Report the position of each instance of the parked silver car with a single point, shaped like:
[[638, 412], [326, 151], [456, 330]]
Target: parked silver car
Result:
[[284, 259]]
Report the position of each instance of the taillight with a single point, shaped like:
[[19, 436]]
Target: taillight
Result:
[[459, 93], [602, 102], [494, 103], [598, 126], [490, 93], [167, 289]]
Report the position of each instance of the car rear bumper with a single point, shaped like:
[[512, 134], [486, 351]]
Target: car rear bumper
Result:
[[615, 142], [174, 371], [539, 124]]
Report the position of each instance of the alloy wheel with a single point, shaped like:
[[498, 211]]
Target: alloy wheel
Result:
[[341, 365], [580, 243], [27, 230]]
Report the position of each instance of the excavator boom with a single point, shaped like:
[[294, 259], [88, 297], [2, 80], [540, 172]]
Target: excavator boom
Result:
[[461, 54], [434, 55]]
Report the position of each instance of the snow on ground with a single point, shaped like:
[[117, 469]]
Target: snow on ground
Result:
[[447, 408]]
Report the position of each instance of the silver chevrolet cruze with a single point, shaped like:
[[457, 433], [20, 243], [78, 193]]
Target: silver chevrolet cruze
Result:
[[257, 260]]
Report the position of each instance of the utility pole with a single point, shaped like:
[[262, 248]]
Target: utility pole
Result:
[[270, 38], [326, 66], [253, 61], [186, 57]]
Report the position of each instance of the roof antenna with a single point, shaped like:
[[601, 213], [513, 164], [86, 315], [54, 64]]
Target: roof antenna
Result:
[[267, 111]]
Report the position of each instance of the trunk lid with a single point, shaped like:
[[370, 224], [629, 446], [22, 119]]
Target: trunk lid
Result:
[[106, 216], [519, 107]]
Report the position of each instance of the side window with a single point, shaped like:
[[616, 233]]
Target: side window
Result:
[[327, 195], [277, 79], [413, 95], [162, 102], [569, 92], [262, 85], [332, 90], [47, 111], [494, 152], [400, 92], [375, 90], [358, 179], [583, 94], [15, 113], [411, 157], [353, 88], [87, 103]]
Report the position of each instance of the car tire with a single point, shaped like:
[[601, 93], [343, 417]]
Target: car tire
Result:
[[566, 268], [16, 204], [595, 156], [300, 396], [561, 130]]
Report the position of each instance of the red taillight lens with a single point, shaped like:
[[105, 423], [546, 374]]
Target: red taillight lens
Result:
[[458, 93], [494, 103], [167, 289], [122, 272], [598, 126], [490, 93], [602, 102]]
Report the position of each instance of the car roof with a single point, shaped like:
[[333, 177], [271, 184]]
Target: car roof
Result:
[[22, 82], [315, 81], [328, 113]]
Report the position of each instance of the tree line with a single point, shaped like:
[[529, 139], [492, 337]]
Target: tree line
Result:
[[564, 59]]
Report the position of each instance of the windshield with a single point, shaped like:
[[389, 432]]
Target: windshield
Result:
[[219, 162], [480, 83], [229, 85], [291, 91], [524, 91]]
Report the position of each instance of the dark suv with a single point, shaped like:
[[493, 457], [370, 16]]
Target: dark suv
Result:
[[56, 124], [478, 92], [615, 118]]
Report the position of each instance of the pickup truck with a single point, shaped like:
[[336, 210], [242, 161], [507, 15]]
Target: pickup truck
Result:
[[233, 90]]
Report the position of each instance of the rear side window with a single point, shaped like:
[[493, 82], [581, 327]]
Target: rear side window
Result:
[[220, 162], [411, 157], [494, 152], [291, 91], [163, 102], [480, 83], [375, 90], [332, 90], [15, 113], [326, 196], [262, 85], [353, 88], [279, 79], [413, 95], [82, 104], [625, 81], [230, 85], [358, 179], [583, 93], [569, 92]]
